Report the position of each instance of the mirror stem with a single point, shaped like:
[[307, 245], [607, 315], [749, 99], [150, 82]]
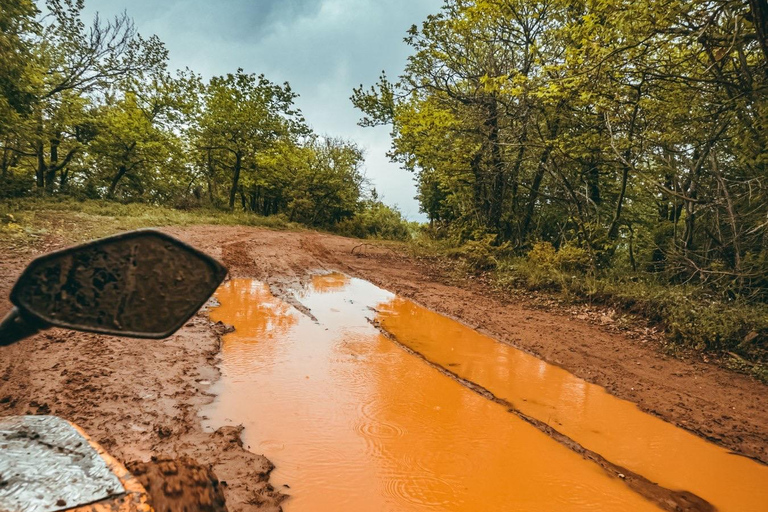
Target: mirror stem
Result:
[[15, 327]]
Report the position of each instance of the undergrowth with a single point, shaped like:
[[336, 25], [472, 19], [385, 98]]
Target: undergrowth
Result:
[[692, 318]]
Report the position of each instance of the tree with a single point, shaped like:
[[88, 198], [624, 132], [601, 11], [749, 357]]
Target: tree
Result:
[[243, 115], [128, 145], [596, 124], [326, 187], [17, 23], [18, 74], [80, 64]]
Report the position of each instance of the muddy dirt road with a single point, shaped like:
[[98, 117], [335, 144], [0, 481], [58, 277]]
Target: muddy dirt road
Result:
[[141, 398]]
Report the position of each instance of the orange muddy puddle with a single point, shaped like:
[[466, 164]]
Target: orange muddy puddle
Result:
[[353, 422], [616, 429]]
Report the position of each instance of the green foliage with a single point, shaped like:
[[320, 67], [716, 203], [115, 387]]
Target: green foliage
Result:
[[242, 116], [92, 112], [632, 130], [481, 253], [478, 254], [690, 316], [17, 18], [376, 220], [708, 325], [327, 184]]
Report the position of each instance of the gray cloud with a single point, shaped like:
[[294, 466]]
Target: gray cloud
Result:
[[322, 47]]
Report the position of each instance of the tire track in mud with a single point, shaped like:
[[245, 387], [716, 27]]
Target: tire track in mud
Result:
[[667, 499], [238, 255]]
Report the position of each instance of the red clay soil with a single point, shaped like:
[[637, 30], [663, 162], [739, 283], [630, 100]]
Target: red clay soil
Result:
[[141, 398]]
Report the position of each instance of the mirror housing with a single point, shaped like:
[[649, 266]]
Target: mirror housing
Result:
[[141, 284]]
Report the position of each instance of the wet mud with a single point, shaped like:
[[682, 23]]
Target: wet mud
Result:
[[179, 484]]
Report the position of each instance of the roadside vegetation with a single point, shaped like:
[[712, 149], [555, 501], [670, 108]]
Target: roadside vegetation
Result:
[[613, 151], [692, 318]]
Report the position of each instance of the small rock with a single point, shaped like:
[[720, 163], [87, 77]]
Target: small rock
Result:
[[164, 431]]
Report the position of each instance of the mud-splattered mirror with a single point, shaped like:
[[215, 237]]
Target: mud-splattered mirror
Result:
[[141, 284]]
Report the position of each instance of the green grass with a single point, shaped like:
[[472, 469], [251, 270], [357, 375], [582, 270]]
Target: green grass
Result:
[[25, 223]]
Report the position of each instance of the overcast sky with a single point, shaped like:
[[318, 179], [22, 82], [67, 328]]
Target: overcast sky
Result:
[[324, 48]]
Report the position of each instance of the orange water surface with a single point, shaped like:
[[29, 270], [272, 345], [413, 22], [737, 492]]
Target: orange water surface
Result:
[[616, 429], [353, 422]]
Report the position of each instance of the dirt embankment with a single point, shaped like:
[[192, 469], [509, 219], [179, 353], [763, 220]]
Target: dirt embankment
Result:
[[141, 398]]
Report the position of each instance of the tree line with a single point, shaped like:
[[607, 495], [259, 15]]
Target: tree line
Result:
[[92, 111], [632, 130]]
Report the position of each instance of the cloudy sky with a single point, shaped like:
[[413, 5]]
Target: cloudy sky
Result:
[[324, 48]]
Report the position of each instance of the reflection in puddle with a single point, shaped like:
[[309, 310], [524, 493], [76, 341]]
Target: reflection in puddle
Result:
[[616, 429], [353, 422]]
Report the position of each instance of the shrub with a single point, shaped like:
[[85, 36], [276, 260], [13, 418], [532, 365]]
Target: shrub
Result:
[[481, 253], [375, 220], [570, 258], [542, 254]]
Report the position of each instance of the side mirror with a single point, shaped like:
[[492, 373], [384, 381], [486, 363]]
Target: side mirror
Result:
[[142, 284]]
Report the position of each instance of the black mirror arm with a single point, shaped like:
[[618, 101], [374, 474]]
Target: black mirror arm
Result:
[[16, 326]]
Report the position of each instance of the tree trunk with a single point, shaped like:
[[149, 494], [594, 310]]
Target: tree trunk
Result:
[[542, 168], [63, 179], [113, 185], [41, 167], [235, 180], [498, 181], [210, 178], [51, 168], [6, 161], [613, 230], [477, 186], [534, 194], [759, 11]]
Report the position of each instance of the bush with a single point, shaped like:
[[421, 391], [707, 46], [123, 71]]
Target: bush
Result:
[[543, 255], [690, 316], [481, 253], [717, 326], [13, 185], [375, 220], [570, 258]]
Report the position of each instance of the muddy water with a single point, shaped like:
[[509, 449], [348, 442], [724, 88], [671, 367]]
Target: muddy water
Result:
[[353, 422], [616, 429]]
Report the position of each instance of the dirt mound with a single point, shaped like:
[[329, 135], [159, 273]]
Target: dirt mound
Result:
[[179, 485]]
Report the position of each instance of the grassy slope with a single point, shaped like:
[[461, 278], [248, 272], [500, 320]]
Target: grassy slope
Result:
[[693, 321], [25, 223]]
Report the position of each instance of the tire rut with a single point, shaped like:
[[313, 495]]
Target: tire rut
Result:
[[667, 499]]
